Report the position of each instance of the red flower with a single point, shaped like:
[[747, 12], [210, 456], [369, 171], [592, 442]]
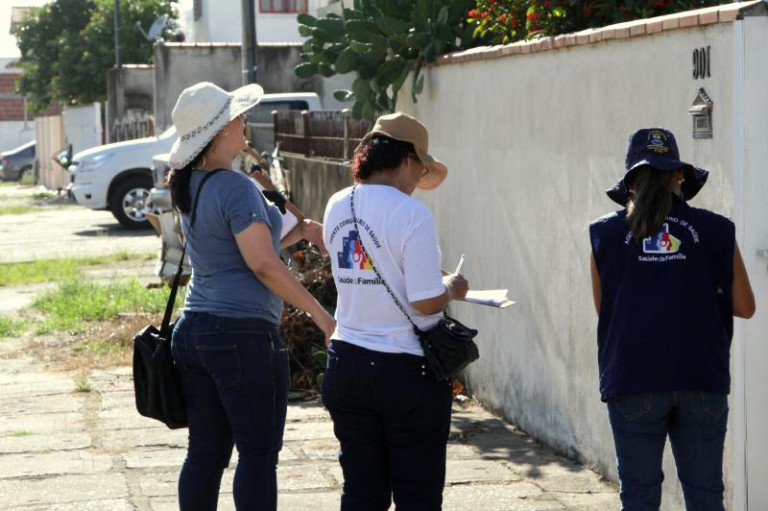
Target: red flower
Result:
[[546, 4], [532, 16], [588, 11], [472, 13], [486, 14]]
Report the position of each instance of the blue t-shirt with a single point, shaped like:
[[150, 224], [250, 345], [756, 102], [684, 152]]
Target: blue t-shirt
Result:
[[222, 284], [666, 317]]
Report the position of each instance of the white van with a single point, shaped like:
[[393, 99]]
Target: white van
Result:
[[118, 177]]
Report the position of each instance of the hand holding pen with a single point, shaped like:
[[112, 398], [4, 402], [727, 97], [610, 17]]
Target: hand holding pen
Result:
[[455, 283]]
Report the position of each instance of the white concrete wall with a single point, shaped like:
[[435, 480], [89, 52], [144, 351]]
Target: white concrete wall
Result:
[[532, 141], [221, 22], [15, 133], [750, 349], [178, 66], [82, 126]]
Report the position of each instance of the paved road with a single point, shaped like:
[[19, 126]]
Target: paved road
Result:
[[65, 230], [67, 450]]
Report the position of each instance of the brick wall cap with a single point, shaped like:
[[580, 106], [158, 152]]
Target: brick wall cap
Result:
[[635, 28]]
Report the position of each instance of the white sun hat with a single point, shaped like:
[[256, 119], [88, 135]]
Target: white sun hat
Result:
[[201, 111]]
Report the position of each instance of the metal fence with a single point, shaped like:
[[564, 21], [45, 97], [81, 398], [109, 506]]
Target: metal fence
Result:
[[326, 134], [132, 127]]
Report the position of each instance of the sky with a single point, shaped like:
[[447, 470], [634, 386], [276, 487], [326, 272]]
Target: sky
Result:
[[7, 41]]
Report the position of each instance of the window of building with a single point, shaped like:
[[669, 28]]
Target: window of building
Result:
[[283, 6]]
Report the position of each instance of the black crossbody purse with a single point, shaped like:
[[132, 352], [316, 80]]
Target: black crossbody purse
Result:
[[156, 382], [448, 346]]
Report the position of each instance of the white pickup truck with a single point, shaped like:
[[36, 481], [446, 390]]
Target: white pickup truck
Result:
[[118, 177]]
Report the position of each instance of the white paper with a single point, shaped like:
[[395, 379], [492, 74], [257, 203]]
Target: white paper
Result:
[[491, 297]]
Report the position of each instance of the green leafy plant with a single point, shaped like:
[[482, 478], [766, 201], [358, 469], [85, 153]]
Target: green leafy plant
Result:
[[382, 41], [504, 21]]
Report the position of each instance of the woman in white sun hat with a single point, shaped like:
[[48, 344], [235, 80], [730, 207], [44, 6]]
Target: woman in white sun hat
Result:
[[232, 361]]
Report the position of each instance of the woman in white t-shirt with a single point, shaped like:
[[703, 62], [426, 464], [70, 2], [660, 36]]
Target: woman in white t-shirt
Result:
[[390, 415]]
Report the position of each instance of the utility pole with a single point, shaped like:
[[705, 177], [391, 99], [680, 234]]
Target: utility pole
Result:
[[118, 59], [248, 46]]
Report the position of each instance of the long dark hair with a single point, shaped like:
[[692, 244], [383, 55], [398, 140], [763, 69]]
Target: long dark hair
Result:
[[650, 201], [379, 153], [178, 182]]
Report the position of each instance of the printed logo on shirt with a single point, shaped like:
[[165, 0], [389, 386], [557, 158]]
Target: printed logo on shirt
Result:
[[662, 243], [352, 256], [662, 247]]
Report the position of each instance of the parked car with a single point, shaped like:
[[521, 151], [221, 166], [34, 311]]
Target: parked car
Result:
[[17, 163], [117, 177]]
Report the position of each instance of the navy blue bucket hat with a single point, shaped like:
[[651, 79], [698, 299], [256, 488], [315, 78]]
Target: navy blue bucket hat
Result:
[[657, 148]]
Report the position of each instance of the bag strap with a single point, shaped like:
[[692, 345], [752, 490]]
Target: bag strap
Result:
[[166, 324], [370, 261]]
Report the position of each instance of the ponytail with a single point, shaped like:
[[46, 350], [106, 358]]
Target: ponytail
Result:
[[179, 179], [178, 182], [650, 202]]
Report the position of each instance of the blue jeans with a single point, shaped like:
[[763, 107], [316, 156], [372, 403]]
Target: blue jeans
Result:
[[235, 377], [392, 420], [695, 422]]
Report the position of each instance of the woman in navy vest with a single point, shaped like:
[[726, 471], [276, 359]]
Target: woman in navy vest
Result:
[[667, 279]]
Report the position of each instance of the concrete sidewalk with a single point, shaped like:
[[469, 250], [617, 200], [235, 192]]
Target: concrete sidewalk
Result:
[[67, 450]]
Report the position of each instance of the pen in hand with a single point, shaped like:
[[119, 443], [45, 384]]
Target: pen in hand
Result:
[[461, 263]]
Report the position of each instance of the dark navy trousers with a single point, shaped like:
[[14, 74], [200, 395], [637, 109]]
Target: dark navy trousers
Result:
[[391, 418], [235, 377], [695, 423]]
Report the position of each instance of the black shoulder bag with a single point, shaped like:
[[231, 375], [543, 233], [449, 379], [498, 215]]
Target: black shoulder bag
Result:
[[156, 382], [448, 346]]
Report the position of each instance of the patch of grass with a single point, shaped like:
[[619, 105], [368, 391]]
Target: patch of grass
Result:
[[20, 209], [74, 303], [46, 195], [82, 384], [19, 434], [84, 325], [9, 327], [51, 270], [27, 180]]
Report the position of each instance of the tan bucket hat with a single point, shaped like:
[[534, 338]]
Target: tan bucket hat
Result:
[[405, 128], [201, 111]]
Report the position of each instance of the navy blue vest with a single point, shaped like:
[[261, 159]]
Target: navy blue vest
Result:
[[666, 315]]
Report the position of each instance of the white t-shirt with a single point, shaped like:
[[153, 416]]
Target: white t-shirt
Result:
[[398, 232]]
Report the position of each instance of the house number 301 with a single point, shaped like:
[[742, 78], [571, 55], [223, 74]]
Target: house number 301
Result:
[[701, 64]]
